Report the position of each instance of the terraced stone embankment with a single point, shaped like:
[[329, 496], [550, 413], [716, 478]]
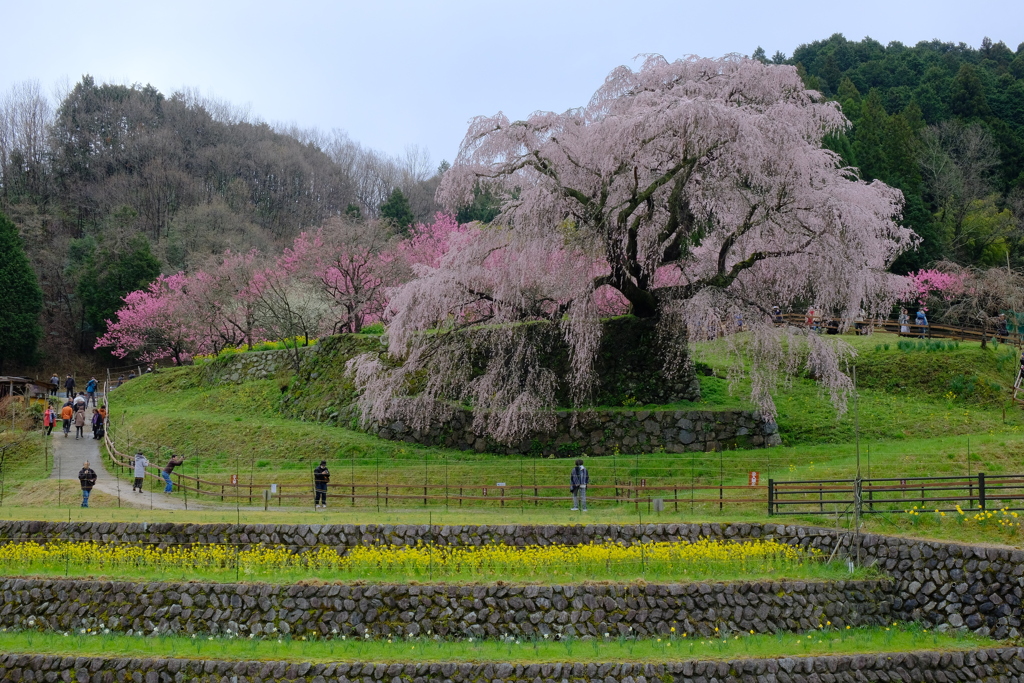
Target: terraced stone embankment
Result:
[[457, 611], [944, 585], [987, 665]]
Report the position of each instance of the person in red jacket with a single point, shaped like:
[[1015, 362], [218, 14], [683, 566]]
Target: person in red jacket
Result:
[[49, 419]]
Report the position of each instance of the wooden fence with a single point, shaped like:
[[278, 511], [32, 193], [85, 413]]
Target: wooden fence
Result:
[[930, 331], [838, 496], [387, 494]]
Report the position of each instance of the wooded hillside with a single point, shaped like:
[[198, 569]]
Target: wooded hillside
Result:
[[944, 123], [114, 184]]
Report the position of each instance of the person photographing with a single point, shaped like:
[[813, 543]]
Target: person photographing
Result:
[[578, 481], [168, 470], [321, 475]]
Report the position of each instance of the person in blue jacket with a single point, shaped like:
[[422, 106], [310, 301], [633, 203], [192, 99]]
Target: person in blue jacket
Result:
[[922, 322], [90, 392], [578, 481]]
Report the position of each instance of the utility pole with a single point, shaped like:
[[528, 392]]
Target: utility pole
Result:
[[857, 484]]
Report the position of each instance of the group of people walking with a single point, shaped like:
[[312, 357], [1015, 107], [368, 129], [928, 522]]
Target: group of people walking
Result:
[[73, 412]]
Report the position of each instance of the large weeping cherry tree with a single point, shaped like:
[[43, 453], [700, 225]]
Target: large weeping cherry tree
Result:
[[697, 193]]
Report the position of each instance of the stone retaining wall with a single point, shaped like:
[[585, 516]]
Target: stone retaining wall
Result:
[[940, 584], [988, 665], [600, 432], [447, 610], [251, 366]]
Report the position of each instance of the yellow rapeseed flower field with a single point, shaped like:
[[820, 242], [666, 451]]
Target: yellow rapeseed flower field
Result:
[[704, 557]]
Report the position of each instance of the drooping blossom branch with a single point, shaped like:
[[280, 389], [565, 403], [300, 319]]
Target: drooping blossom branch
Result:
[[698, 191]]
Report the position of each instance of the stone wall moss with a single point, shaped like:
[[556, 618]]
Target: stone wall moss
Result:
[[980, 665]]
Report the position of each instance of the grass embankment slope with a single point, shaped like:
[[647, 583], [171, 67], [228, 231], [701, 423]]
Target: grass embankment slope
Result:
[[915, 409], [827, 641], [919, 411]]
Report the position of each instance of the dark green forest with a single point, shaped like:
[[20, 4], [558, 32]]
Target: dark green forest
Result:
[[114, 184], [944, 123]]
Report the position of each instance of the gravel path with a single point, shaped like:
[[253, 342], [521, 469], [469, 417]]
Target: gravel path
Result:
[[68, 455]]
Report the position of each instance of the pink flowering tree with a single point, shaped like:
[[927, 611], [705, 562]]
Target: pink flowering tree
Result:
[[702, 191], [224, 306], [352, 265], [156, 323], [428, 243]]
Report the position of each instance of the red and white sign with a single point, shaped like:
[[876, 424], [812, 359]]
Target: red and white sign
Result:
[[755, 478]]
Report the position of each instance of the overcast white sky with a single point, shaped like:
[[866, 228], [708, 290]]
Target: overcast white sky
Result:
[[394, 73]]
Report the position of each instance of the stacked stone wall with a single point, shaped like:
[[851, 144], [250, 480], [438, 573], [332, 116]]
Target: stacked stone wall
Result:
[[251, 366], [986, 665], [939, 584], [458, 611], [601, 432]]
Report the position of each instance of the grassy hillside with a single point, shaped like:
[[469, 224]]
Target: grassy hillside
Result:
[[911, 422]]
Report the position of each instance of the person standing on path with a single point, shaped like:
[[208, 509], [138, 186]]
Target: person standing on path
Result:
[[90, 392], [578, 481], [321, 475], [922, 322], [141, 463], [69, 385], [80, 423], [87, 478], [55, 381], [167, 471], [66, 414], [49, 418], [97, 423]]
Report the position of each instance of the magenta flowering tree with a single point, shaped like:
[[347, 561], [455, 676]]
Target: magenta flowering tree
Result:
[[945, 284], [703, 193], [156, 323]]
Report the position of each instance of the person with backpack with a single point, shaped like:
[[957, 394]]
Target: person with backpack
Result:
[[922, 322], [69, 385], [90, 392], [168, 470], [49, 419], [79, 423], [321, 475], [55, 382], [87, 478], [578, 481], [67, 413], [141, 463]]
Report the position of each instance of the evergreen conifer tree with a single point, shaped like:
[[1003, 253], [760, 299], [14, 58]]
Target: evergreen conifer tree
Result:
[[398, 211], [21, 299]]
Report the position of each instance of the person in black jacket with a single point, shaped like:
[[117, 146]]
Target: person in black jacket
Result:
[[87, 478], [578, 481], [321, 475]]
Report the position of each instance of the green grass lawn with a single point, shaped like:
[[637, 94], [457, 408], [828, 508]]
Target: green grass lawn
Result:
[[905, 429], [919, 412], [25, 458], [676, 647]]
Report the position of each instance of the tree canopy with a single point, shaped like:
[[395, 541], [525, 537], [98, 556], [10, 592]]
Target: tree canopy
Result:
[[698, 191], [21, 300]]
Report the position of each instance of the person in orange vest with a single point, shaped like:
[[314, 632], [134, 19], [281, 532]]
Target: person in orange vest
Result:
[[66, 413]]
